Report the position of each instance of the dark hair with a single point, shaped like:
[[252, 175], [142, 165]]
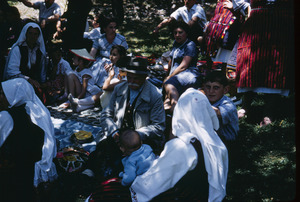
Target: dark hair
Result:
[[121, 50], [130, 139], [180, 24], [217, 76], [105, 20], [53, 48], [98, 16], [14, 10]]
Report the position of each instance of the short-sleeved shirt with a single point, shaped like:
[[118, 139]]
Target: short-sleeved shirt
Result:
[[45, 12], [230, 123], [104, 47], [189, 77], [63, 67], [93, 34], [186, 16], [179, 51], [92, 89]]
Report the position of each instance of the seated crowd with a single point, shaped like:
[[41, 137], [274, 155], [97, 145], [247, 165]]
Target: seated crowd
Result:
[[163, 142]]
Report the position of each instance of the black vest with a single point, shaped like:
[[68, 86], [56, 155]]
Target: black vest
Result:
[[35, 71]]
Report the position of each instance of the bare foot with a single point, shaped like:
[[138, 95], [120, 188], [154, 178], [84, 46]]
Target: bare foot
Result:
[[64, 105]]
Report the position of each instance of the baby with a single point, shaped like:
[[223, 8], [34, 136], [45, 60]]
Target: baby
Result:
[[138, 157]]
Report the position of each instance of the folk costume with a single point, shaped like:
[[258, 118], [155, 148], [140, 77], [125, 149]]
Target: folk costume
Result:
[[265, 57], [221, 33], [23, 62]]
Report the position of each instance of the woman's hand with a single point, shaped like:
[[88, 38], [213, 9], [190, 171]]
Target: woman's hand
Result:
[[108, 67], [228, 4], [111, 73]]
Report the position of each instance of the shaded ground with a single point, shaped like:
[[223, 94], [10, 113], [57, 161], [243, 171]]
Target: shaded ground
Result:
[[263, 160]]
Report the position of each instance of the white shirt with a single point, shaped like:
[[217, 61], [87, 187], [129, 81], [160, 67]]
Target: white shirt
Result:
[[47, 12], [186, 16], [93, 34], [14, 62]]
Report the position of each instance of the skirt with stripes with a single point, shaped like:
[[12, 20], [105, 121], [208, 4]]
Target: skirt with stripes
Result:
[[265, 56], [221, 31]]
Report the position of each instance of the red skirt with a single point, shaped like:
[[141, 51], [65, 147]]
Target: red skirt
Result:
[[265, 56], [217, 28]]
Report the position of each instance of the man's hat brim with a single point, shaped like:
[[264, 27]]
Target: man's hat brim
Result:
[[133, 65], [133, 71]]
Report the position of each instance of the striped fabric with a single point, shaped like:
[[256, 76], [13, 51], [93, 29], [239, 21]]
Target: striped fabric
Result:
[[216, 29], [265, 55], [111, 190]]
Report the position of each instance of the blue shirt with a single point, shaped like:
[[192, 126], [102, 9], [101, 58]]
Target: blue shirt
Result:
[[179, 51], [103, 46], [187, 15], [229, 125], [136, 164]]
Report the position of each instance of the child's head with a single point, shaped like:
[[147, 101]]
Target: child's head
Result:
[[81, 57], [130, 141], [49, 3], [55, 53], [215, 86], [117, 52]]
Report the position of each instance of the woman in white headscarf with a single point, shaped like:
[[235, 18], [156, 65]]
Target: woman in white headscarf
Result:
[[17, 92], [27, 57], [193, 118]]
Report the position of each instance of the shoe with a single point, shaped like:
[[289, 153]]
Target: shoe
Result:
[[73, 102]]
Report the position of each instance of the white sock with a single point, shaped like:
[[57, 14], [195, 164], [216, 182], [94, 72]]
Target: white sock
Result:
[[83, 107], [86, 101]]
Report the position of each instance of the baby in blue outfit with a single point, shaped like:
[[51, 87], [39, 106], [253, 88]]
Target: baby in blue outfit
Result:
[[138, 157]]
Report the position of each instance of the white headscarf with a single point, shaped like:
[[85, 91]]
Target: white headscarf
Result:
[[193, 114], [193, 117], [18, 91], [6, 126], [22, 39]]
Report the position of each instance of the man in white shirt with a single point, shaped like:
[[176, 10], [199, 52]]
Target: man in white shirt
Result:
[[49, 14], [192, 14]]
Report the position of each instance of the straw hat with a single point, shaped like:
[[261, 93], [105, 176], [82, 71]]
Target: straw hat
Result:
[[82, 53]]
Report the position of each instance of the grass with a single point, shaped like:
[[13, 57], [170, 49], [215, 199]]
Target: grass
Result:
[[262, 159]]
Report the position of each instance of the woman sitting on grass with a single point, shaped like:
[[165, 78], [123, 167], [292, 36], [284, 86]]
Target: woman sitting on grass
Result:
[[102, 46], [182, 72], [78, 105]]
